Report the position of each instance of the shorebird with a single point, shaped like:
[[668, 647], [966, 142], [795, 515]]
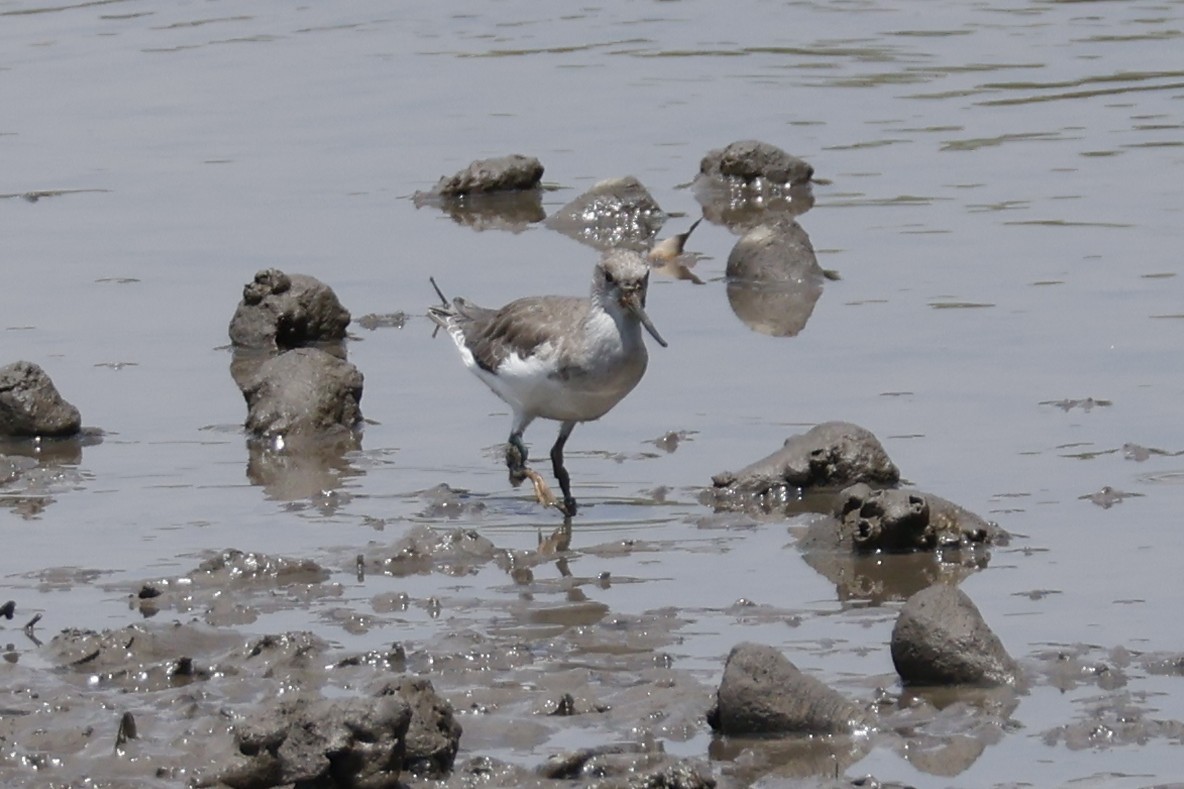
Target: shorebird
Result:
[[564, 358], [666, 256]]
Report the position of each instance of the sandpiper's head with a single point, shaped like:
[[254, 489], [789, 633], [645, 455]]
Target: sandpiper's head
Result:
[[621, 279]]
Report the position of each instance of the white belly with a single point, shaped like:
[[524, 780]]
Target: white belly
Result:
[[539, 387]]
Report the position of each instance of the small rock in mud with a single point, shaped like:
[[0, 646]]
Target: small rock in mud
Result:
[[749, 160], [303, 393], [309, 741], [774, 279], [831, 455], [940, 638], [618, 212], [279, 311], [433, 736], [762, 692], [31, 406], [901, 521], [484, 176]]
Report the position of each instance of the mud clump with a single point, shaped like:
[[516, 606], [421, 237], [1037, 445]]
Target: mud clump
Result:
[[617, 212], [280, 311], [309, 741], [762, 692], [433, 736], [511, 173], [30, 405], [304, 392], [900, 521], [503, 193], [774, 279], [940, 638], [780, 252], [832, 455], [750, 183], [749, 160]]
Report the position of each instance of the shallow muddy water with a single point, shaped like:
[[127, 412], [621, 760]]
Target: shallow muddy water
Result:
[[1000, 193]]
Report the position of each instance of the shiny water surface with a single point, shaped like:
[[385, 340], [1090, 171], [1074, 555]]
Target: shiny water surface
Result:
[[1000, 193]]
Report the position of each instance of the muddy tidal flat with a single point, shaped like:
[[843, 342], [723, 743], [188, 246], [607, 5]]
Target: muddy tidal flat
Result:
[[986, 277]]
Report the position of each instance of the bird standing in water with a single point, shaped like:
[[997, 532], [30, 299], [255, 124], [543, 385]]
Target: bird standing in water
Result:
[[557, 357]]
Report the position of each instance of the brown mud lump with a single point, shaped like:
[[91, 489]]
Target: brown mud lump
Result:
[[485, 176], [282, 311], [940, 638], [30, 405], [303, 393], [762, 692], [832, 454], [305, 741], [748, 160]]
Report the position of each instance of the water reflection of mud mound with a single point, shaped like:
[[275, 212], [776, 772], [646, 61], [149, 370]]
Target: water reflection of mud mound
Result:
[[512, 211], [33, 471], [617, 212], [306, 469], [741, 207], [776, 310], [883, 578]]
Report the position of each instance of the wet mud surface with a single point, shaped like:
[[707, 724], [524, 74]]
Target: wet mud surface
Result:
[[981, 270]]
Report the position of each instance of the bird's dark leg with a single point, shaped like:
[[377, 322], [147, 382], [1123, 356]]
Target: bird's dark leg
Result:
[[516, 458], [569, 503]]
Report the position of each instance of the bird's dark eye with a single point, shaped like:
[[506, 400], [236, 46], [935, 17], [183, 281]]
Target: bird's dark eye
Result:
[[608, 278]]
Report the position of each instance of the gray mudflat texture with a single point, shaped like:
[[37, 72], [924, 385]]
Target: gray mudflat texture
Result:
[[763, 693], [31, 406], [832, 454], [501, 174], [628, 766], [940, 638], [311, 741], [617, 212], [304, 392], [748, 160], [900, 521], [281, 311]]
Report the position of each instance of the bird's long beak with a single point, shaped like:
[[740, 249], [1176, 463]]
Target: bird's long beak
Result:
[[631, 301]]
